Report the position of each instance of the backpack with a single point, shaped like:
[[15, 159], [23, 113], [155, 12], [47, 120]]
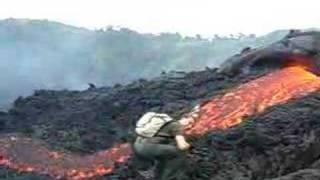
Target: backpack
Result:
[[150, 124]]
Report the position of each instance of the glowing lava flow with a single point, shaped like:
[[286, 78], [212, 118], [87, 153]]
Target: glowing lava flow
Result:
[[27, 155], [254, 97]]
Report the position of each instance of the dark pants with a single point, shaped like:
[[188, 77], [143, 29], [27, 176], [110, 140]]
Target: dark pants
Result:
[[171, 162]]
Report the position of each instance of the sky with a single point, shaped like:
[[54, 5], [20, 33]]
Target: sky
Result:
[[188, 17]]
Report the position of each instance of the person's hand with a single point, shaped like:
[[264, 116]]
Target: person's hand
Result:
[[185, 146], [182, 143]]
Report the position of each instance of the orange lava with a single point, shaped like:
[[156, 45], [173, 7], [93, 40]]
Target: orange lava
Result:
[[27, 155], [254, 97]]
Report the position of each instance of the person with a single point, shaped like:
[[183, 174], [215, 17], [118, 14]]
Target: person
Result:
[[168, 148]]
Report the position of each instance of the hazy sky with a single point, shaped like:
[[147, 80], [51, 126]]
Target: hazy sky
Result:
[[188, 17]]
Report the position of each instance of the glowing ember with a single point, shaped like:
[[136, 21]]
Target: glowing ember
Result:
[[26, 155]]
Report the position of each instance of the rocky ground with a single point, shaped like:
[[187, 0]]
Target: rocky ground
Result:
[[81, 121], [282, 141], [280, 144]]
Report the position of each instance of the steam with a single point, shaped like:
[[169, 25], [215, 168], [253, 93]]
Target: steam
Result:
[[48, 55], [40, 55]]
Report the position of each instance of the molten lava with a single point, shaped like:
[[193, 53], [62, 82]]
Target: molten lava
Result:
[[254, 97], [27, 155]]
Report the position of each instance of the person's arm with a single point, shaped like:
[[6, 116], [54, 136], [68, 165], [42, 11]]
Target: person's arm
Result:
[[176, 130], [182, 143]]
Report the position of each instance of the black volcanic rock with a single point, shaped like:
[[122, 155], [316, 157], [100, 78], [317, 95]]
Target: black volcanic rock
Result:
[[275, 55], [305, 174], [3, 119], [280, 141], [81, 120], [280, 144]]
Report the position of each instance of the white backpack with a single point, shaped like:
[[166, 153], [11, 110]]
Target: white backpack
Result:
[[150, 123]]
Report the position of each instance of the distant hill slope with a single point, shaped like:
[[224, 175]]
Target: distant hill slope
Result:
[[39, 54]]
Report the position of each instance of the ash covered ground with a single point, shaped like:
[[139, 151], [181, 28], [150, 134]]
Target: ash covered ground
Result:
[[281, 143]]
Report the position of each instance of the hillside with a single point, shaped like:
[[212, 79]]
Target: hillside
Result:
[[39, 54]]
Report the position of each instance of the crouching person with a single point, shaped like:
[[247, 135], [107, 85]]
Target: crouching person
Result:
[[161, 139]]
